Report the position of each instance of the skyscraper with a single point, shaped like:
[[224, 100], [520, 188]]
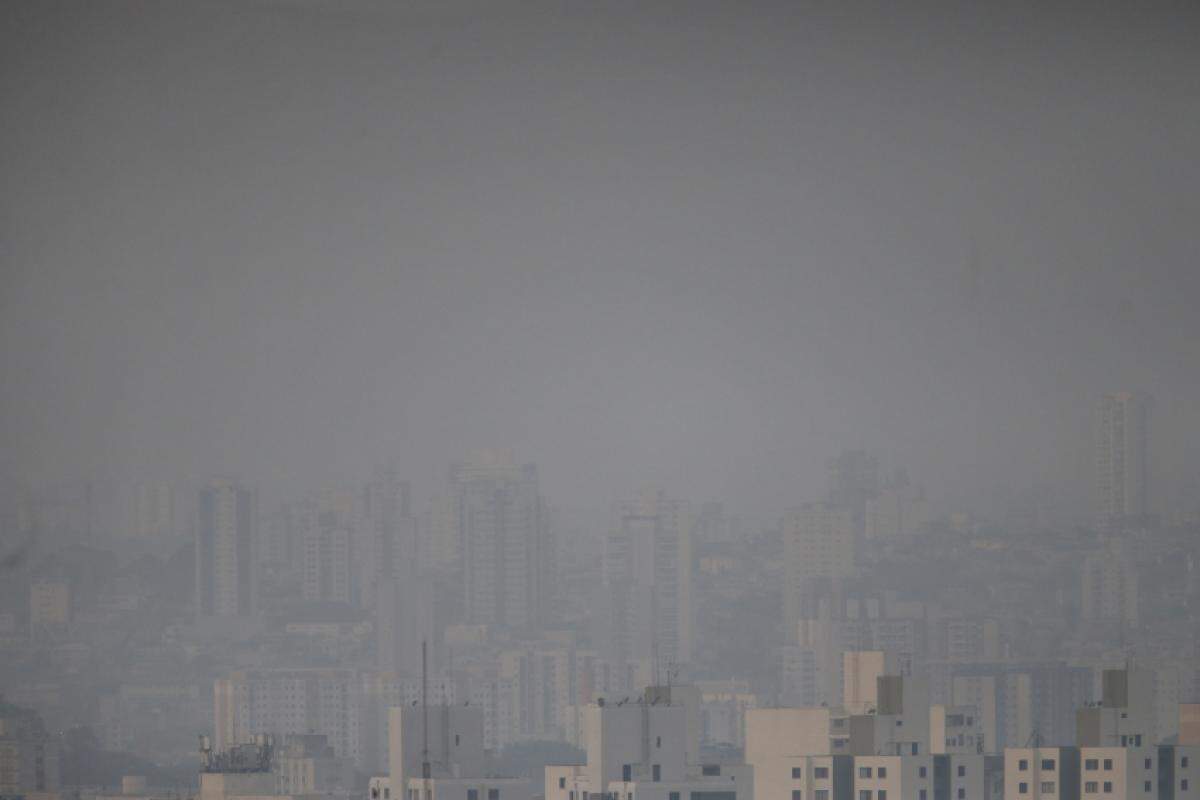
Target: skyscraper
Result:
[[226, 551], [648, 578], [503, 539], [818, 548], [1121, 460], [388, 535], [330, 571]]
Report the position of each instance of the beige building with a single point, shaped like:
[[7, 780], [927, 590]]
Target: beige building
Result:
[[1189, 723], [1126, 715], [1041, 773], [925, 777], [955, 729], [1119, 773]]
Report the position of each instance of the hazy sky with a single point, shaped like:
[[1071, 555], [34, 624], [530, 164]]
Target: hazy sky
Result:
[[702, 244]]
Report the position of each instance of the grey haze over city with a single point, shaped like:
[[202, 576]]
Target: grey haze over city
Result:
[[761, 349]]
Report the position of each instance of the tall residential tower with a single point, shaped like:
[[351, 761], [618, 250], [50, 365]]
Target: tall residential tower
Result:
[[1121, 460], [226, 551]]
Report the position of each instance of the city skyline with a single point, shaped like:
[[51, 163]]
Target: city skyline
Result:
[[464, 400]]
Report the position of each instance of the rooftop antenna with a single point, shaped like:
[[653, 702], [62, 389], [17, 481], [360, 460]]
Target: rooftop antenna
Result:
[[425, 770]]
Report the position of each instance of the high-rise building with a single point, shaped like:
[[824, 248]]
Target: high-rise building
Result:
[[226, 551], [289, 701], [1121, 460], [330, 571], [388, 540], [29, 756], [648, 581], [505, 544], [153, 510], [818, 546]]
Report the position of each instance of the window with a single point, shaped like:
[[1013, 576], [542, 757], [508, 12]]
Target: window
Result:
[[924, 795], [673, 796], [914, 748], [1107, 764], [1092, 764], [1107, 787], [797, 794], [881, 794], [570, 795], [710, 769], [1022, 765], [962, 771], [821, 773], [962, 793], [1047, 765], [821, 794], [473, 794], [456, 740], [375, 791], [881, 772], [493, 794], [922, 772], [864, 794], [562, 783], [1183, 784], [1147, 786], [797, 772], [1022, 788], [658, 742], [1091, 787], [387, 792], [657, 772], [864, 772], [627, 772], [1183, 762], [1048, 787]]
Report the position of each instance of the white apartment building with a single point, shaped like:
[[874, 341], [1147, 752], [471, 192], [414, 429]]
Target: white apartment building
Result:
[[638, 750]]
